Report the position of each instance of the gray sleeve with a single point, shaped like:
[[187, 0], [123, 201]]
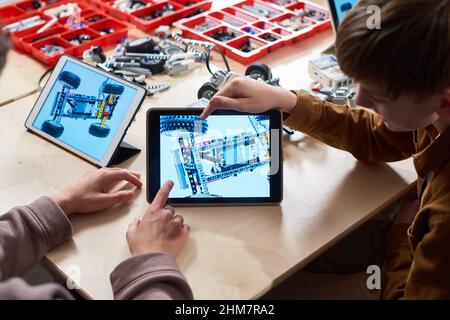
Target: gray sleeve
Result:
[[149, 276], [28, 232], [15, 289]]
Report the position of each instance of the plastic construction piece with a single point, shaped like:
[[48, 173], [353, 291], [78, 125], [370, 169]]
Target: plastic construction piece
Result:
[[269, 37], [165, 10], [79, 39], [142, 45], [261, 11], [248, 46], [326, 71], [224, 36], [95, 53], [148, 15], [129, 5], [52, 50], [296, 23], [24, 24], [171, 56], [257, 71], [258, 26]]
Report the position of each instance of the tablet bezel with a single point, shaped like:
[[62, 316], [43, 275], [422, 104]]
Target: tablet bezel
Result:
[[153, 160], [121, 131]]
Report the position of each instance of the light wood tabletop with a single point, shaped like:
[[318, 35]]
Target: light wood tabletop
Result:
[[233, 252]]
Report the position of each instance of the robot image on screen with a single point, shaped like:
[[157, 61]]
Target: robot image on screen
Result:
[[68, 104], [218, 157]]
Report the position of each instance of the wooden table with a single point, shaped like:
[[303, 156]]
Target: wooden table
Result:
[[233, 252]]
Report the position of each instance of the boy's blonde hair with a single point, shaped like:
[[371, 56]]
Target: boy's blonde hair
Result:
[[410, 54]]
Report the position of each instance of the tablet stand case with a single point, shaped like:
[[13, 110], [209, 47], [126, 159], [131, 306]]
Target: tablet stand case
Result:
[[124, 152]]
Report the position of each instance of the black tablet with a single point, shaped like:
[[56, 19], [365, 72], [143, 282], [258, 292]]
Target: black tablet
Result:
[[85, 110], [230, 158]]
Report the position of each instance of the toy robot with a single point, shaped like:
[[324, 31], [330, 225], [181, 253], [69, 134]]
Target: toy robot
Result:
[[257, 71], [200, 163]]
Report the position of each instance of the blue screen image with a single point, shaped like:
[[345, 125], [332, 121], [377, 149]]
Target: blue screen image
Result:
[[221, 157], [84, 109], [343, 7]]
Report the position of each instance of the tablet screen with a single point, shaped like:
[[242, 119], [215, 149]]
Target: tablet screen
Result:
[[225, 156], [84, 109]]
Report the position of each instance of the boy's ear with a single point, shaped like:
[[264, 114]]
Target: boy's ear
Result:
[[444, 109]]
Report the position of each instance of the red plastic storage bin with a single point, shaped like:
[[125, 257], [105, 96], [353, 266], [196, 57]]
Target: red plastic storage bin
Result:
[[74, 37], [270, 24], [144, 18]]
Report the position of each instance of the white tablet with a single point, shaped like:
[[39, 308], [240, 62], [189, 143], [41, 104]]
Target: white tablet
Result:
[[85, 110]]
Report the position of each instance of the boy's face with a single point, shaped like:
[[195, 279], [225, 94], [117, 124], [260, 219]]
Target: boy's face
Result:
[[406, 113]]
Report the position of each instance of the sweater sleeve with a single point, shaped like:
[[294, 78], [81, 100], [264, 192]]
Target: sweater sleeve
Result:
[[17, 289], [28, 232], [356, 130], [149, 276]]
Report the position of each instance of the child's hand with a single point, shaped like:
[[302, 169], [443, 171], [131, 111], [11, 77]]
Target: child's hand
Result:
[[94, 191], [160, 230], [249, 95]]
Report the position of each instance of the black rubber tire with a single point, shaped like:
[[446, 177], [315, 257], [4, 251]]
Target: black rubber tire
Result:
[[155, 66], [116, 89], [207, 90], [54, 129], [259, 71], [187, 123], [170, 50], [70, 78], [99, 132]]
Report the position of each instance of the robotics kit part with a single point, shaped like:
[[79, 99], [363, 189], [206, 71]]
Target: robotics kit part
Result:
[[146, 56], [95, 53], [326, 71], [257, 71], [94, 19], [224, 36], [63, 10], [259, 10], [165, 10], [130, 5], [284, 2], [79, 39], [106, 31], [23, 24], [206, 26], [249, 46], [312, 14], [35, 4], [52, 50], [142, 45], [296, 23], [269, 37], [342, 95]]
